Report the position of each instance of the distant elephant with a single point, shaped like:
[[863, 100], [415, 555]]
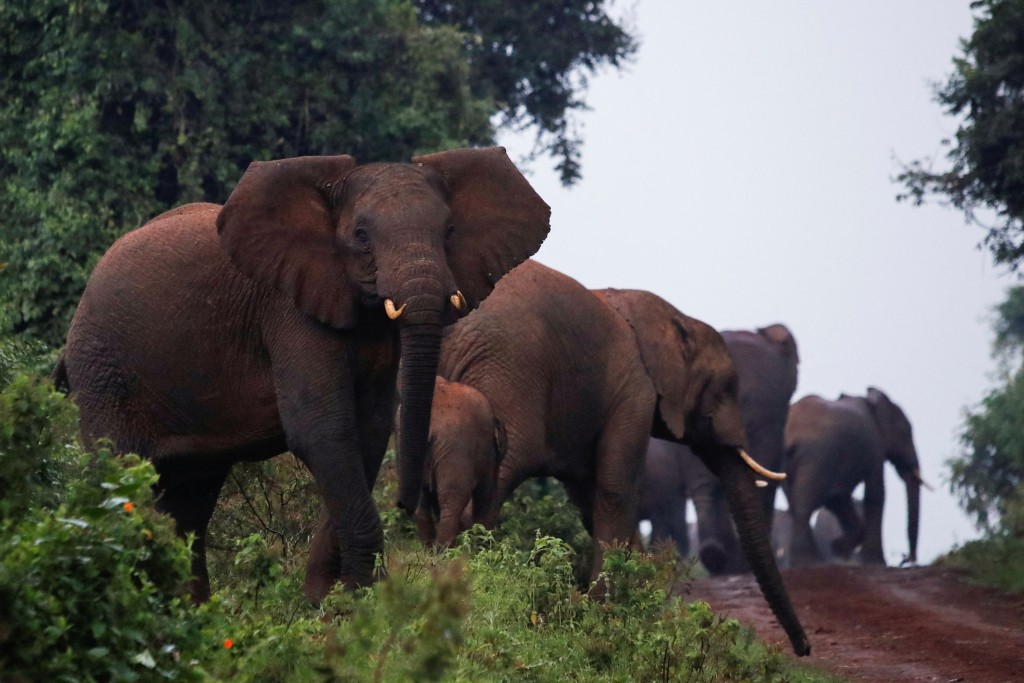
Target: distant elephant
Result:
[[579, 392], [467, 444], [766, 362], [216, 334], [831, 447]]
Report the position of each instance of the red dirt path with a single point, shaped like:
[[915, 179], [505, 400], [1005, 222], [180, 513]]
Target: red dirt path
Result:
[[878, 624]]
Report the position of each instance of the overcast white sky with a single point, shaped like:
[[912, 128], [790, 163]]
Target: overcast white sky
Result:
[[740, 168]]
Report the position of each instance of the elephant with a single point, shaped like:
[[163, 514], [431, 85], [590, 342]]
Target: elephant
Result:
[[766, 361], [467, 444], [831, 447], [215, 334], [579, 392]]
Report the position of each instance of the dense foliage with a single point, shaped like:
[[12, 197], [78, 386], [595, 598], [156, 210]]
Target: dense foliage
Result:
[[532, 59], [985, 93], [112, 111], [989, 474]]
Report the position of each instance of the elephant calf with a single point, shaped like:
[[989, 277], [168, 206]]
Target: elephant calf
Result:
[[831, 447], [466, 445]]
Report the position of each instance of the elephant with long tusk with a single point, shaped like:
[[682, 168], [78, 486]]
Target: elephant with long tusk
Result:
[[215, 334], [578, 392]]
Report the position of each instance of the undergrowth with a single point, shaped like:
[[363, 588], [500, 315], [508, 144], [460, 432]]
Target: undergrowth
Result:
[[93, 585], [996, 560]]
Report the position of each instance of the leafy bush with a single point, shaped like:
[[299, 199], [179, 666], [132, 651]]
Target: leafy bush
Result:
[[996, 561], [93, 589], [37, 428]]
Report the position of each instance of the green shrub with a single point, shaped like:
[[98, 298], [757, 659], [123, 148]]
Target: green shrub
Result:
[[37, 441], [996, 561], [93, 589]]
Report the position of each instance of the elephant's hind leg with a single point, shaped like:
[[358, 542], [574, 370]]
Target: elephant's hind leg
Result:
[[850, 521], [191, 502]]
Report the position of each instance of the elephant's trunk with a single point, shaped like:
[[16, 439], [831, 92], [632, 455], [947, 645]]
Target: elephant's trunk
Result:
[[421, 349], [745, 504], [913, 514]]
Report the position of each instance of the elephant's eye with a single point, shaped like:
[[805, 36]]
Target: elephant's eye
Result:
[[361, 236], [448, 234]]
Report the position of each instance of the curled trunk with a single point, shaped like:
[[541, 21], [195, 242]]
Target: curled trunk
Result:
[[745, 504], [421, 348]]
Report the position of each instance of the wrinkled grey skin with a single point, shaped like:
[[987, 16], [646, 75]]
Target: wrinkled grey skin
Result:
[[467, 444], [216, 334], [766, 363], [831, 447], [580, 380]]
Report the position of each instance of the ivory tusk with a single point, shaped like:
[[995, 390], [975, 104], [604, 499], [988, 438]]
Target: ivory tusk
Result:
[[760, 483], [922, 482], [458, 301], [389, 308], [760, 469]]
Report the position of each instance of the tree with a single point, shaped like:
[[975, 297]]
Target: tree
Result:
[[533, 59], [112, 111], [986, 159], [989, 474]]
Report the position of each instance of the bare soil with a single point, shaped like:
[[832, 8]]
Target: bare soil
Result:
[[887, 624]]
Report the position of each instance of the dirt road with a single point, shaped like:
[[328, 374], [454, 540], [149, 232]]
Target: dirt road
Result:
[[877, 624]]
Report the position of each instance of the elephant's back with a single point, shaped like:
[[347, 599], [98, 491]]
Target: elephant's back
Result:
[[535, 317], [817, 427], [166, 326], [546, 353]]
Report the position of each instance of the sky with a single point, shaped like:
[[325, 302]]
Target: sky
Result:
[[741, 167]]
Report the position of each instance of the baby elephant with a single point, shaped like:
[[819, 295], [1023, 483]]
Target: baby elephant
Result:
[[466, 445]]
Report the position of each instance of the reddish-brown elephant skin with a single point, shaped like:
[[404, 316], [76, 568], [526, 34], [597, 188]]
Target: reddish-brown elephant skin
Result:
[[579, 393], [218, 334]]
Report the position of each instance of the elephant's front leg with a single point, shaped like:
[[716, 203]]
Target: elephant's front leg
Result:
[[619, 459], [319, 414], [874, 502], [802, 550]]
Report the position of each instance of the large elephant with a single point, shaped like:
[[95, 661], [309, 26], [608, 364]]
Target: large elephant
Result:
[[218, 334], [579, 394], [831, 447], [467, 443], [766, 362]]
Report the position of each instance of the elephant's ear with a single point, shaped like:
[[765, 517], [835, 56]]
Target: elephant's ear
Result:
[[278, 228], [881, 406], [665, 342], [780, 335], [499, 220]]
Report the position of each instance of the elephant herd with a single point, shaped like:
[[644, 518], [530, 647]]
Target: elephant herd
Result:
[[324, 294]]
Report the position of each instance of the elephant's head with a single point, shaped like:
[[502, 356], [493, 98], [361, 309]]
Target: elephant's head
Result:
[[898, 442], [422, 242], [698, 404], [692, 372], [766, 361]]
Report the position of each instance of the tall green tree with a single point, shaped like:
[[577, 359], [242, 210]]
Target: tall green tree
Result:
[[984, 172], [988, 476], [533, 59], [112, 111]]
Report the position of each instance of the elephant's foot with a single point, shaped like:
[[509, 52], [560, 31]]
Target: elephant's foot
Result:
[[713, 557], [843, 547], [319, 584]]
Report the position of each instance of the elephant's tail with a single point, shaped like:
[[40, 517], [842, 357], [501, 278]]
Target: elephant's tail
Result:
[[59, 376]]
